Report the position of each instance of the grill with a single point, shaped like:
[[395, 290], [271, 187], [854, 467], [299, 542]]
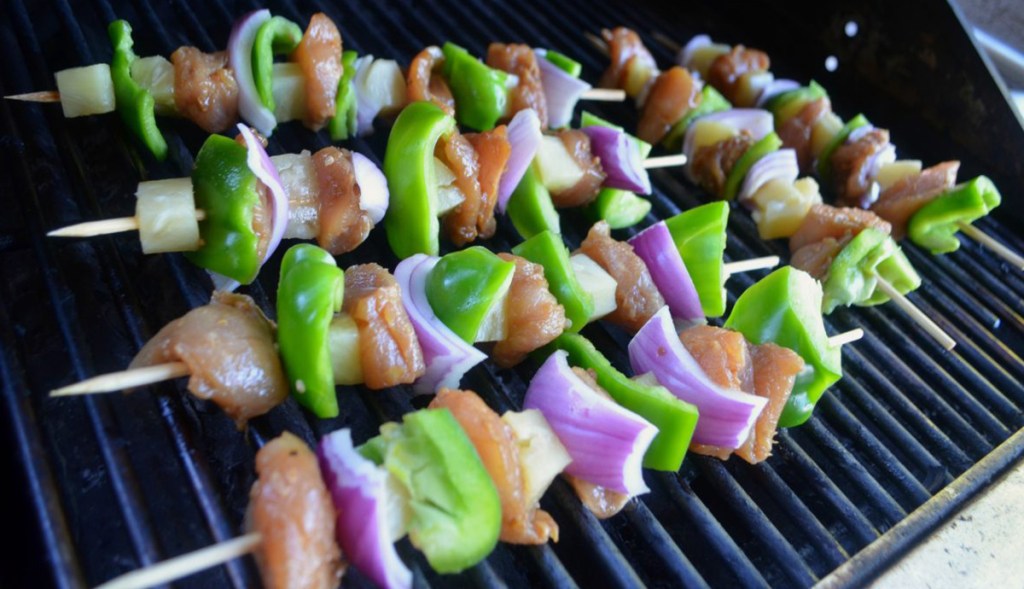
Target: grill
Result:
[[107, 484]]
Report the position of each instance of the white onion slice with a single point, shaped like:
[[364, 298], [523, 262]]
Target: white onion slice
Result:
[[656, 248], [373, 187], [620, 159], [686, 53], [774, 88], [777, 165], [561, 91], [240, 59], [259, 162], [524, 137]]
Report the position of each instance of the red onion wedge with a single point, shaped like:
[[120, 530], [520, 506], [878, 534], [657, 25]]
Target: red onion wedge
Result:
[[259, 162], [686, 53], [373, 187], [561, 91], [726, 416], [359, 491], [753, 120], [656, 248], [777, 165], [446, 355], [774, 88], [606, 441], [524, 136], [620, 159], [240, 59]]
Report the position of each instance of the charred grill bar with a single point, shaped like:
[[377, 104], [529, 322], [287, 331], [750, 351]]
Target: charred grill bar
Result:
[[112, 483]]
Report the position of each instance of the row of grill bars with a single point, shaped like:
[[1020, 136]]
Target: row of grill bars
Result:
[[852, 528]]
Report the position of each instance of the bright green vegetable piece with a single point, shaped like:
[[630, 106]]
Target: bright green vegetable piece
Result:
[[456, 513], [530, 207], [277, 36], [548, 250], [785, 308], [619, 208], [226, 189], [711, 101], [934, 226], [309, 293], [588, 119], [787, 104], [411, 221], [564, 63], [851, 278], [480, 91], [699, 234], [824, 164], [675, 418], [464, 286], [897, 271], [342, 125], [134, 103], [766, 145]]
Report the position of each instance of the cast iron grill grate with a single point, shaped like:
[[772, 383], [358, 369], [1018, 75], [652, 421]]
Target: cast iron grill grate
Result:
[[120, 481]]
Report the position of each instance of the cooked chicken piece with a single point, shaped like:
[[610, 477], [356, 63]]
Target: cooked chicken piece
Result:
[[726, 71], [520, 61], [797, 131], [712, 163], [343, 224], [824, 221], [577, 143], [852, 167], [673, 94], [898, 203], [534, 316], [319, 57], [205, 89], [424, 81]]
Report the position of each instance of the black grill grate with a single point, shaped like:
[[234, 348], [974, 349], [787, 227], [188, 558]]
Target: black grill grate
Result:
[[112, 483]]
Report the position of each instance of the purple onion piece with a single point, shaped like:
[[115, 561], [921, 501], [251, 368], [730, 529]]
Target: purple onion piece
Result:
[[561, 91], [374, 196], [726, 416], [620, 159], [774, 88], [753, 120], [777, 165], [524, 137], [656, 248], [250, 107], [259, 162]]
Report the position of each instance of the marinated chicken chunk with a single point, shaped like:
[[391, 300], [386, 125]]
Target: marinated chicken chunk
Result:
[[673, 94], [535, 317], [796, 132], [824, 221], [319, 57], [898, 203], [424, 81], [474, 218], [520, 61], [726, 70], [632, 66], [816, 258], [853, 166], [205, 89], [712, 163], [577, 143], [343, 224]]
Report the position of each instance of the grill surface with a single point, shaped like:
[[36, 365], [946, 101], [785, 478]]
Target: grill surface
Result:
[[108, 484]]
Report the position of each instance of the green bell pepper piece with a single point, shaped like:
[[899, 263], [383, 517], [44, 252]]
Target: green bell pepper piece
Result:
[[711, 101], [135, 104], [464, 285], [548, 250], [934, 226], [455, 509], [851, 278], [619, 208], [897, 270], [530, 207], [342, 125], [226, 189], [766, 145], [309, 293], [699, 234], [411, 222], [676, 419], [787, 104], [277, 36], [824, 164], [785, 308], [588, 119], [564, 62], [480, 91]]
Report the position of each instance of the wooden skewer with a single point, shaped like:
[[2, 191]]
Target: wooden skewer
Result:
[[665, 161], [186, 564], [597, 42], [667, 41], [106, 226], [750, 265], [43, 96], [125, 379], [916, 314], [847, 337], [997, 248], [604, 95]]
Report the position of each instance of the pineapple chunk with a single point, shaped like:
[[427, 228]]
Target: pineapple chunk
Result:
[[594, 280], [289, 89], [541, 455], [824, 130], [448, 194], [750, 86], [86, 90], [556, 167], [780, 206], [166, 211], [343, 343], [707, 133], [156, 75], [893, 172], [702, 57], [494, 326]]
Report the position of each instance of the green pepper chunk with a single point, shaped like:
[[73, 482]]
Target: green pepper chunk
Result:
[[897, 271], [411, 222], [530, 207], [787, 104], [465, 285], [711, 101], [309, 293], [588, 119], [619, 208], [455, 510], [342, 125], [853, 275], [934, 226], [480, 91], [226, 189], [564, 63], [277, 36], [785, 308], [548, 250], [699, 234], [676, 419], [824, 165], [135, 104], [766, 145]]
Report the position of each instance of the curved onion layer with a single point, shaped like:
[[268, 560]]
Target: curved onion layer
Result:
[[777, 165], [243, 34], [561, 91], [620, 159], [656, 248], [606, 441], [374, 196], [446, 355], [359, 491], [726, 416], [524, 137], [774, 88], [859, 132], [259, 162], [755, 121], [686, 53], [366, 107]]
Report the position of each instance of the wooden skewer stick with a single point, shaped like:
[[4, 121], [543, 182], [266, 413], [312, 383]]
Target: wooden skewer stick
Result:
[[665, 161], [916, 314], [106, 226], [604, 95], [597, 42], [125, 379], [997, 248], [186, 564], [667, 41], [750, 265], [847, 337], [43, 96]]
